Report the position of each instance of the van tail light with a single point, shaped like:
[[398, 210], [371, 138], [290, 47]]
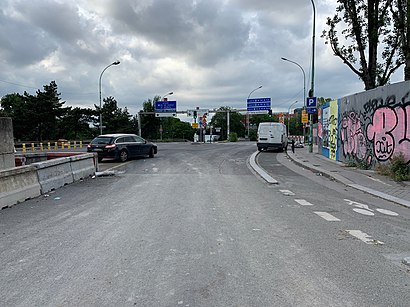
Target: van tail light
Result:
[[110, 146]]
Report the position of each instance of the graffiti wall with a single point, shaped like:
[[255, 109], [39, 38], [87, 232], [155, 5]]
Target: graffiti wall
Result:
[[368, 127]]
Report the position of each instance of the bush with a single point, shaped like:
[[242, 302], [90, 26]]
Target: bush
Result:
[[252, 135], [396, 168], [233, 137]]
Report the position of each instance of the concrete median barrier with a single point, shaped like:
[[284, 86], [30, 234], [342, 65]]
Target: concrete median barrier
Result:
[[53, 174], [82, 166], [18, 184]]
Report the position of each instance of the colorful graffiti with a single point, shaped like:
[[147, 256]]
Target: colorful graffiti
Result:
[[352, 137], [372, 126], [390, 132]]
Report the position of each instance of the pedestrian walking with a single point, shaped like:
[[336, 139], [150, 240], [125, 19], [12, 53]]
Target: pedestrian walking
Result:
[[293, 145]]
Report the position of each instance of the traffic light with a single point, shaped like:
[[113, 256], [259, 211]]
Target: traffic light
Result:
[[270, 112], [195, 114]]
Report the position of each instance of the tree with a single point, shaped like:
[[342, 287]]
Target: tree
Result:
[[401, 17], [150, 124], [367, 24], [235, 122], [47, 111], [76, 124], [114, 118]]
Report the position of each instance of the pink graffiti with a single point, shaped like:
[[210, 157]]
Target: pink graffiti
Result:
[[353, 140], [390, 132]]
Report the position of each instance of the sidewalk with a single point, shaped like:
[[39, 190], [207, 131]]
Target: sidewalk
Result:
[[367, 181]]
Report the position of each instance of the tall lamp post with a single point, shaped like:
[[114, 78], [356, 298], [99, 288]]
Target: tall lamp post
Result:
[[160, 125], [289, 114], [312, 87], [247, 113], [99, 86], [304, 87]]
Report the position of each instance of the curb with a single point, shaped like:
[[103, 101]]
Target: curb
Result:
[[349, 183], [261, 172]]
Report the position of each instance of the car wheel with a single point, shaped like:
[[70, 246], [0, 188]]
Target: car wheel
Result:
[[123, 155], [151, 152]]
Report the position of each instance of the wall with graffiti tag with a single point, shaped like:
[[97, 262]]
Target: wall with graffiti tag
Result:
[[367, 127]]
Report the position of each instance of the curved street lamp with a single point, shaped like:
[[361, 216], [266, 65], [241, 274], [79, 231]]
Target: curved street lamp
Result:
[[167, 94], [99, 86], [247, 113], [289, 114], [304, 87]]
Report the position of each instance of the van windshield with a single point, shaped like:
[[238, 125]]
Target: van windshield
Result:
[[267, 129]]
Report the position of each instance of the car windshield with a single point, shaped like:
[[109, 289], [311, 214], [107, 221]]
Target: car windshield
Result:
[[101, 140]]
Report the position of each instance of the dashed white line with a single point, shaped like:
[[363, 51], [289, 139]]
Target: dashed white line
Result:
[[327, 216], [287, 192], [363, 237], [303, 202]]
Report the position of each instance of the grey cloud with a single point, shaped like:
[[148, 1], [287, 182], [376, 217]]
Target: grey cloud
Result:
[[204, 32]]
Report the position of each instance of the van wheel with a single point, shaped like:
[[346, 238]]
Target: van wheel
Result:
[[260, 148], [151, 152]]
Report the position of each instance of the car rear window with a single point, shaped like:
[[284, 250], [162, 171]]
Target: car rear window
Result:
[[101, 140]]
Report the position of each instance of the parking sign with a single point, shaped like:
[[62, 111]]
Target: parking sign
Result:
[[311, 102]]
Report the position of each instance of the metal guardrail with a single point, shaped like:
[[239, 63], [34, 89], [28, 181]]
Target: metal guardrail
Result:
[[48, 146]]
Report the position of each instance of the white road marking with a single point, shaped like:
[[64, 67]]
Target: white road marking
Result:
[[387, 212], [363, 237], [363, 211], [303, 202], [155, 169], [287, 192], [358, 205], [327, 216]]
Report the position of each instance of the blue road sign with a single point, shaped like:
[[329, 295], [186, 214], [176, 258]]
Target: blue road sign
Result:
[[311, 102], [258, 104], [165, 107], [311, 110]]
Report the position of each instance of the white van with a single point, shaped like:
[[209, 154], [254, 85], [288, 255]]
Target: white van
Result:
[[272, 135]]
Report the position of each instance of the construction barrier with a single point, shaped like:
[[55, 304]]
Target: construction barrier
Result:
[[18, 184], [29, 181]]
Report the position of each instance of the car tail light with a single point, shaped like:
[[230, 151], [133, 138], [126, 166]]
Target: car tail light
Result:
[[110, 146]]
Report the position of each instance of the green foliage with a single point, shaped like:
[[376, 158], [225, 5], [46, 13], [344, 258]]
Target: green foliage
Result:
[[236, 120], [396, 168], [367, 29], [253, 135], [233, 137]]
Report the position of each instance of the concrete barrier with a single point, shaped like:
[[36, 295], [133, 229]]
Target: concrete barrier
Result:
[[24, 182], [82, 166], [53, 174], [18, 184]]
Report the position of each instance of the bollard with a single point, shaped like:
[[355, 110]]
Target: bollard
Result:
[[41, 146], [49, 146], [69, 145], [24, 147], [32, 147], [81, 144], [55, 146], [75, 144]]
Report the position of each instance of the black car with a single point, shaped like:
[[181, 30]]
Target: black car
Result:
[[121, 147]]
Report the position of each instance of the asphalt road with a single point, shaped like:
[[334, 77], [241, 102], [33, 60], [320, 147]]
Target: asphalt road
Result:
[[195, 226]]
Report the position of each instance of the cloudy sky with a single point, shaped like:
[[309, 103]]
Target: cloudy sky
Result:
[[210, 53]]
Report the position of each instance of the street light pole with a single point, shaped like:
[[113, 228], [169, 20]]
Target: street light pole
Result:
[[312, 88], [304, 88], [289, 115], [160, 120], [99, 86], [247, 113]]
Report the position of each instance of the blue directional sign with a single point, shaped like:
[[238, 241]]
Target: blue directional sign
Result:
[[165, 108], [311, 110], [258, 104], [311, 102]]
